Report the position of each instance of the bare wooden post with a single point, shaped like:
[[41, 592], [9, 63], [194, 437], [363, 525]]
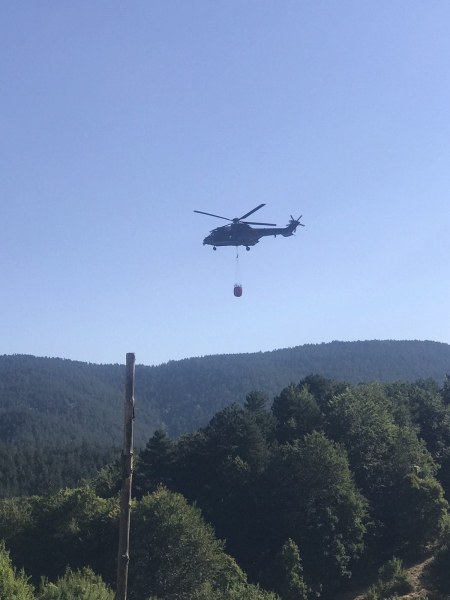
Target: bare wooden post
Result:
[[127, 474]]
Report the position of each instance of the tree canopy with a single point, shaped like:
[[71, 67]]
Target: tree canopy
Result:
[[286, 500]]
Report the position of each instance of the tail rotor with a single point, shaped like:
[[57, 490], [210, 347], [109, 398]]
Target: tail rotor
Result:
[[296, 222]]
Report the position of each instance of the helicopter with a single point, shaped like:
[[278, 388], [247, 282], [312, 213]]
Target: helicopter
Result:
[[239, 232]]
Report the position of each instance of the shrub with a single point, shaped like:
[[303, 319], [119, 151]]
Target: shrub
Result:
[[438, 572], [13, 584], [393, 581], [394, 578], [76, 585]]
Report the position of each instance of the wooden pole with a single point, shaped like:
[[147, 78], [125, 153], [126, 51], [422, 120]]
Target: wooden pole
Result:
[[127, 474]]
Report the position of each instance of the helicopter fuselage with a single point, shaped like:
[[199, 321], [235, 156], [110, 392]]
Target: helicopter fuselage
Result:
[[241, 234]]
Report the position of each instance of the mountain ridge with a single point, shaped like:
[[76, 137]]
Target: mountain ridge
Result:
[[84, 400], [61, 420]]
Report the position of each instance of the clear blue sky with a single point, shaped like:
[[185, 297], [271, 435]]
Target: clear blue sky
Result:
[[119, 119]]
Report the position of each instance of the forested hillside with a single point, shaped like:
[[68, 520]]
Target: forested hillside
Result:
[[54, 411], [331, 487]]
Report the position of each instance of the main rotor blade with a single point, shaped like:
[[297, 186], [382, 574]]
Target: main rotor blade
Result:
[[251, 212], [211, 215], [252, 223]]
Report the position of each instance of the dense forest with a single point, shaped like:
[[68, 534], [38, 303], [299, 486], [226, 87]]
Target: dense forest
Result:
[[61, 420], [327, 487]]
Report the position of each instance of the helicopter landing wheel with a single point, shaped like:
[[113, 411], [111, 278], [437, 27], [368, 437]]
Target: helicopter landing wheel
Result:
[[214, 248], [247, 248]]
